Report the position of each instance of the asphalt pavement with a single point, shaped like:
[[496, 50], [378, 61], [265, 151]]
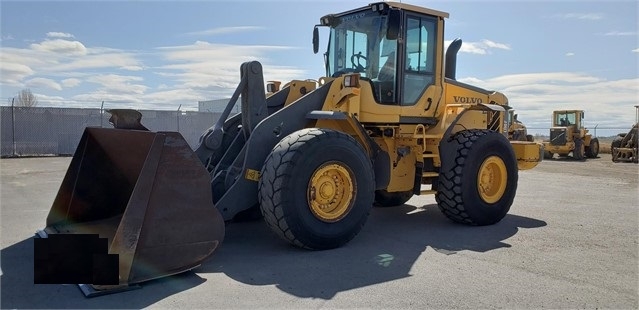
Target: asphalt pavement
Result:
[[570, 240]]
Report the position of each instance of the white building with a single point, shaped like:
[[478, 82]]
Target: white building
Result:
[[218, 105]]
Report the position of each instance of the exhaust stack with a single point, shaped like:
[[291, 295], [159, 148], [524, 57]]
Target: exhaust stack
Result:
[[451, 58]]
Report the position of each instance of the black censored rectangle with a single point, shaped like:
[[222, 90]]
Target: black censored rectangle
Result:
[[74, 259]]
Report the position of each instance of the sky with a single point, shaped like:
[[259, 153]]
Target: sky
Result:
[[543, 55]]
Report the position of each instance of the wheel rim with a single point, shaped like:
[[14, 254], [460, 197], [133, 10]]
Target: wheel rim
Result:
[[491, 179], [330, 192]]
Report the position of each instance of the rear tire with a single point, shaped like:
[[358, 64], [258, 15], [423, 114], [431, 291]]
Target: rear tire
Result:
[[578, 152], [316, 189], [392, 199], [592, 151], [478, 186], [616, 142], [548, 155]]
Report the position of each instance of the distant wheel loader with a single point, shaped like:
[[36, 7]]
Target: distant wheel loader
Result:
[[568, 136], [517, 131], [312, 157], [625, 147]]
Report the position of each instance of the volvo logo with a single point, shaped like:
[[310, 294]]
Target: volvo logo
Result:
[[459, 99]]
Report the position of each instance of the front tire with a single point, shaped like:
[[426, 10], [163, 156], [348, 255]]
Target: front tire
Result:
[[316, 188], [478, 186]]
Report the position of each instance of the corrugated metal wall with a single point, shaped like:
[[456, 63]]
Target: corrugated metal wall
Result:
[[38, 131]]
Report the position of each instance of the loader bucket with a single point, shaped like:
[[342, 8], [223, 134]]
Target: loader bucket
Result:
[[147, 193]]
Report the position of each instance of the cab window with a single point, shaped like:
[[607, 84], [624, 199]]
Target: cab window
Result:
[[420, 57]]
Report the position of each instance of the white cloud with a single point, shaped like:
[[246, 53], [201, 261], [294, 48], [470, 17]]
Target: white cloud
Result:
[[122, 60], [212, 70], [21, 64], [193, 72], [62, 58], [71, 82], [224, 30], [119, 100], [12, 73], [59, 35], [492, 44], [536, 95], [620, 33], [132, 68], [184, 95], [119, 84], [482, 47], [583, 16], [42, 83], [636, 50], [570, 54], [59, 46]]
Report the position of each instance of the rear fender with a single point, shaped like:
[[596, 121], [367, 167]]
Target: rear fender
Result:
[[448, 150], [528, 154]]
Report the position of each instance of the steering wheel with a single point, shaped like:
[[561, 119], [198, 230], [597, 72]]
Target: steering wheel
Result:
[[358, 66]]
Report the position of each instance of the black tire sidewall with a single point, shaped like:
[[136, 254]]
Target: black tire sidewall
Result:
[[616, 142], [579, 151], [332, 146], [594, 148], [491, 144]]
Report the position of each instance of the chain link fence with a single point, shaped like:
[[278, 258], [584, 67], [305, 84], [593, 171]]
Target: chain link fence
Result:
[[39, 131], [601, 132]]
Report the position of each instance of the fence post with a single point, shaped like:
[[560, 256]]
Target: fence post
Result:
[[101, 113], [178, 118], [13, 128]]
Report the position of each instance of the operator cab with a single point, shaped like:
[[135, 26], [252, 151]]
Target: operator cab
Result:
[[568, 118], [392, 45]]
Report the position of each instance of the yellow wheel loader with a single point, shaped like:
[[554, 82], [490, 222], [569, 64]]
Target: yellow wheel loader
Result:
[[517, 131], [625, 147], [568, 136], [388, 121]]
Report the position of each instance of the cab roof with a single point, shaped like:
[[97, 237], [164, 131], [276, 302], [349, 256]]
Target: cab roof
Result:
[[396, 5], [414, 8]]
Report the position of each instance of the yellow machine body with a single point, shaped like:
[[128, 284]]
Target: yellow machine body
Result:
[[568, 136], [310, 157]]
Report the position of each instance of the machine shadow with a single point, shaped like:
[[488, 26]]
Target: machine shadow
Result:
[[385, 250], [19, 291]]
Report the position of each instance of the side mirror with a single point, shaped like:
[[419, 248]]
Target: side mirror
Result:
[[315, 40], [394, 20], [583, 114]]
